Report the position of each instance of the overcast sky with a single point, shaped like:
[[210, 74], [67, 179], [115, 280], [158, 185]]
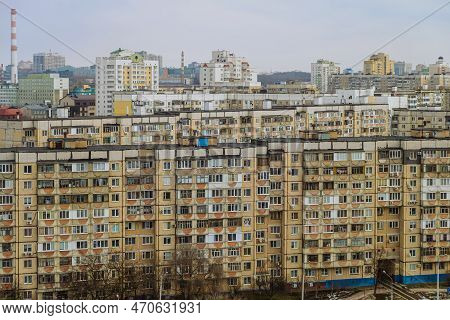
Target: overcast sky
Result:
[[272, 34]]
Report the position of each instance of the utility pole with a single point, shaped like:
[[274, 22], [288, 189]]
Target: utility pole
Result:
[[438, 254], [303, 277]]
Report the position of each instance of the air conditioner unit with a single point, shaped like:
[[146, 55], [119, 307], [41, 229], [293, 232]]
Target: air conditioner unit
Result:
[[27, 207], [28, 223]]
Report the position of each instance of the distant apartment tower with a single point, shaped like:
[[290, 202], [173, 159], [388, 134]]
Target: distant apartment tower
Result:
[[379, 64], [225, 69], [44, 61], [123, 70], [321, 72], [402, 68], [440, 67]]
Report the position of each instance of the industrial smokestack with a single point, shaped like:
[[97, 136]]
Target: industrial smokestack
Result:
[[14, 73]]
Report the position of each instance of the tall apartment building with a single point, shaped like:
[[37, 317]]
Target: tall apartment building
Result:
[[42, 89], [123, 70], [224, 126], [321, 72], [148, 103], [225, 69], [379, 64], [329, 210]]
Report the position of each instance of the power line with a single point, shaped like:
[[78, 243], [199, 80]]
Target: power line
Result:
[[50, 34], [403, 32]]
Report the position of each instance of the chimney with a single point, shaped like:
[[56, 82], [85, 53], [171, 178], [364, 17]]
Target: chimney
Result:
[[14, 73]]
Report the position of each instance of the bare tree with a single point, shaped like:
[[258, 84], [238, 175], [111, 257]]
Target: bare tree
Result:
[[9, 292], [379, 255], [195, 277], [117, 279], [270, 281]]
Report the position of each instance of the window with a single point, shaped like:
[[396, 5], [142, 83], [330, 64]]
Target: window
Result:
[[114, 212], [26, 184], [6, 168], [27, 201], [393, 238], [6, 199], [354, 270], [100, 166], [115, 182], [28, 279], [166, 165], [27, 169], [28, 264], [340, 156]]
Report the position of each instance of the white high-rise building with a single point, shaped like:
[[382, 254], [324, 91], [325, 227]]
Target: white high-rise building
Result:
[[227, 70], [321, 72], [123, 70]]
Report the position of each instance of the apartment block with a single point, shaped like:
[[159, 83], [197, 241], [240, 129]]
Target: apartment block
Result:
[[45, 61], [225, 69], [147, 103], [123, 70], [389, 83], [379, 64], [226, 126], [407, 122], [335, 210], [321, 72]]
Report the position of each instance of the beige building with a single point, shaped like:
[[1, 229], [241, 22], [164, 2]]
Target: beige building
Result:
[[379, 64], [331, 209], [226, 126], [405, 121]]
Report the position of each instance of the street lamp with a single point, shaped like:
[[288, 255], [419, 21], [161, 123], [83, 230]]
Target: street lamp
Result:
[[392, 285]]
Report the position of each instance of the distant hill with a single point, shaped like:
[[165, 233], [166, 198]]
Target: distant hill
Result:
[[283, 76]]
